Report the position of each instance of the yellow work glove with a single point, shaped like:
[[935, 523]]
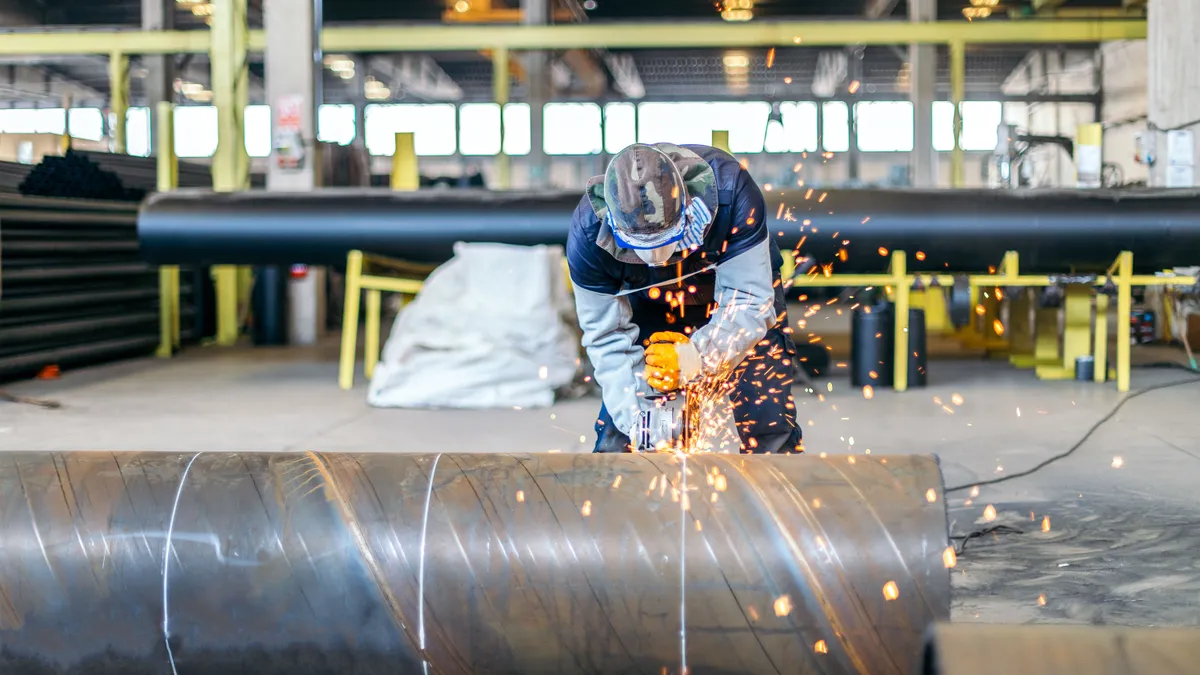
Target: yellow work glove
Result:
[[670, 360]]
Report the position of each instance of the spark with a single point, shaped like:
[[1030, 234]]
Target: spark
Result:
[[820, 647], [883, 250], [989, 513], [617, 483], [1041, 600], [891, 591], [931, 495], [868, 392], [521, 496], [787, 80], [920, 255], [655, 293], [853, 89], [783, 605], [771, 58], [698, 526], [587, 508], [1046, 524], [752, 612], [998, 326], [720, 484], [975, 491], [956, 398], [949, 559], [816, 503], [1118, 462], [583, 439]]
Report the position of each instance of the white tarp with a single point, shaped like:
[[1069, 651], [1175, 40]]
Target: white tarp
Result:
[[492, 328]]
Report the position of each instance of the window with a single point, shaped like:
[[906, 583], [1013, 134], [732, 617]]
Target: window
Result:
[[798, 133], [571, 129], [195, 131], [517, 127], [620, 126], [687, 123], [433, 123], [256, 130], [336, 123], [137, 132], [980, 120], [86, 123], [33, 121], [479, 129], [884, 126], [835, 118]]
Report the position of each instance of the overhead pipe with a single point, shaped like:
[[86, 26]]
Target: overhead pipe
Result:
[[469, 563], [941, 230]]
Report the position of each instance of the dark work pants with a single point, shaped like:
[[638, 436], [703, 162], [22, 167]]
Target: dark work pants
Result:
[[760, 401]]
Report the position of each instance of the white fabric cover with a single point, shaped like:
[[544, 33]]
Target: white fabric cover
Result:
[[492, 328]]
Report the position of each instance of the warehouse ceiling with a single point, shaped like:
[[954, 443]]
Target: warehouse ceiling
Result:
[[663, 75]]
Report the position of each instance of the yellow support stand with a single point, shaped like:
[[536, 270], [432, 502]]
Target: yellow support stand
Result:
[[405, 177], [1100, 345], [1124, 282], [357, 281], [720, 140], [1076, 333], [168, 275], [500, 90], [118, 81], [900, 285]]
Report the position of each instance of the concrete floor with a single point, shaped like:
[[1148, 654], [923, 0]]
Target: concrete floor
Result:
[[1121, 548]]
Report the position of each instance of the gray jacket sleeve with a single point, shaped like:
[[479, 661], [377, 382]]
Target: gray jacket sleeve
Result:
[[745, 296], [611, 341]]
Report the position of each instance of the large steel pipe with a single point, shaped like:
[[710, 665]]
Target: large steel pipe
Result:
[[461, 563], [977, 649], [1055, 231]]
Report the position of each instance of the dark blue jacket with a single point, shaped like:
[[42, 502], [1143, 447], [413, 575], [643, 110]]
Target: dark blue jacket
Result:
[[739, 224]]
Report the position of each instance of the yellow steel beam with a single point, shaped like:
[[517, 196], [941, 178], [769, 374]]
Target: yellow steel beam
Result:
[[500, 91], [1040, 5], [723, 34], [168, 275], [105, 42], [413, 38], [958, 90]]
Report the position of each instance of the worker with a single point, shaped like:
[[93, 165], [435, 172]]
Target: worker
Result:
[[675, 279]]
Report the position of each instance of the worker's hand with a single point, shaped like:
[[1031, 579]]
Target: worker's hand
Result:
[[670, 360]]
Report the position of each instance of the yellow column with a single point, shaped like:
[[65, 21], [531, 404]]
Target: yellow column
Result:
[[958, 91], [405, 176], [899, 270], [1045, 336], [1124, 283], [1100, 346], [720, 139], [230, 168], [118, 83], [168, 275], [500, 91]]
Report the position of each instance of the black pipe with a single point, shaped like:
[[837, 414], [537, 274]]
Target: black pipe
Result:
[[326, 564], [970, 230]]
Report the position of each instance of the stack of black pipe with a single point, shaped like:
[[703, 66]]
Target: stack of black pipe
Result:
[[73, 288]]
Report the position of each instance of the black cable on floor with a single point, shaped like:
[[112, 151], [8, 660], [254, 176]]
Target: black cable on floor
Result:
[[1078, 444], [995, 529]]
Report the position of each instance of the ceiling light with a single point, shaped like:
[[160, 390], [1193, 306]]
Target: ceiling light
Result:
[[977, 12], [205, 9], [462, 6], [736, 60], [737, 10], [589, 5]]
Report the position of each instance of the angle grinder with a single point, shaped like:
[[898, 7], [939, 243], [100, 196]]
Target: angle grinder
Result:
[[663, 427]]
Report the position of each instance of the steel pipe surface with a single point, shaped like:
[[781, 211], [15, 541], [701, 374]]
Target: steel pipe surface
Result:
[[980, 649], [468, 563], [964, 229]]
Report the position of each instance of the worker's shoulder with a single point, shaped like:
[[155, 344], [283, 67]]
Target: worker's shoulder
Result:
[[585, 230]]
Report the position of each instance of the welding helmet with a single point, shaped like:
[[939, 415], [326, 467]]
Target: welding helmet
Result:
[[653, 201]]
